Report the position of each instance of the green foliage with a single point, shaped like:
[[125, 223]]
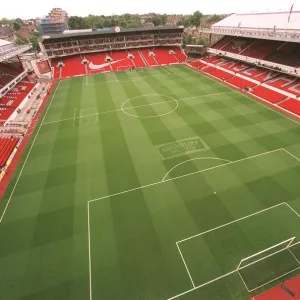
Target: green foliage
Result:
[[5, 21], [93, 21], [77, 23], [214, 19], [33, 39], [21, 41], [193, 20], [16, 26]]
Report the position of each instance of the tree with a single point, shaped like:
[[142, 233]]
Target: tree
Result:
[[196, 18], [16, 26], [21, 41], [77, 23]]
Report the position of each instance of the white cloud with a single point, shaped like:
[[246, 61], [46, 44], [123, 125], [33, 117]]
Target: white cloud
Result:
[[34, 8]]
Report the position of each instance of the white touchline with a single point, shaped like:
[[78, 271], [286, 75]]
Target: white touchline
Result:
[[89, 245], [18, 178], [132, 107]]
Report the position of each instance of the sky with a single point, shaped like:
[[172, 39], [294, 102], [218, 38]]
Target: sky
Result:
[[37, 8]]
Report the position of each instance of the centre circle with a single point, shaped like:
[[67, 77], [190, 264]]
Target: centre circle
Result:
[[149, 106]]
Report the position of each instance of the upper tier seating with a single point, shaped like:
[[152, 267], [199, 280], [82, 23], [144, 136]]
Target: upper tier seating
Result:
[[150, 60], [163, 56], [13, 99], [222, 42], [7, 74], [7, 145], [292, 105], [287, 54], [139, 63], [261, 49], [120, 61], [237, 45], [267, 94]]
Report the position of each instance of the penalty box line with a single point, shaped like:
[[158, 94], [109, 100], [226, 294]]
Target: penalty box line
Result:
[[235, 270]]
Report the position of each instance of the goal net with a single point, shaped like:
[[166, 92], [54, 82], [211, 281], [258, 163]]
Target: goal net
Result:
[[268, 265], [125, 68]]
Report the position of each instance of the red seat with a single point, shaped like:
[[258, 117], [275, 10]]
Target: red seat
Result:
[[267, 94], [292, 105]]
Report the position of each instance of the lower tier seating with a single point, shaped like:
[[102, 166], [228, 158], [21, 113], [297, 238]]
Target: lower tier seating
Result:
[[7, 145], [267, 94], [120, 61], [292, 105], [139, 63], [241, 82], [180, 55], [221, 74], [150, 60], [164, 57], [10, 102], [98, 60], [72, 67]]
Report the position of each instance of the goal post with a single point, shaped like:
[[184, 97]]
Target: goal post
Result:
[[125, 68], [261, 255], [270, 264]]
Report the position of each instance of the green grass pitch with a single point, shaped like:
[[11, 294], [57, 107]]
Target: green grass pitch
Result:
[[151, 184]]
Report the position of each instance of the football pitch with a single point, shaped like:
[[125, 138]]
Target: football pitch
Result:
[[152, 184]]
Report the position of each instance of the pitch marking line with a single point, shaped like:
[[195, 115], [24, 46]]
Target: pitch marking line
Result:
[[243, 281], [185, 175], [287, 273], [236, 270], [30, 149], [74, 117], [132, 107], [187, 269], [132, 79], [199, 158]]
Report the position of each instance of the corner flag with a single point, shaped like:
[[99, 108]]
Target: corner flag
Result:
[[291, 11]]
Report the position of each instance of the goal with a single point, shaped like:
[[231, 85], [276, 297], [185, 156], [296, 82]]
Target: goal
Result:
[[125, 68], [268, 265]]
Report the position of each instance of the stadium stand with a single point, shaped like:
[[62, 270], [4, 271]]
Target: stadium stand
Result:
[[164, 57], [180, 55], [139, 63], [7, 145], [10, 102], [97, 63], [150, 60], [221, 74], [120, 61], [7, 74], [241, 82], [292, 105], [72, 67], [267, 94]]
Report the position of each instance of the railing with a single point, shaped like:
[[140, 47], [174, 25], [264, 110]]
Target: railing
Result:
[[259, 62], [272, 33]]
